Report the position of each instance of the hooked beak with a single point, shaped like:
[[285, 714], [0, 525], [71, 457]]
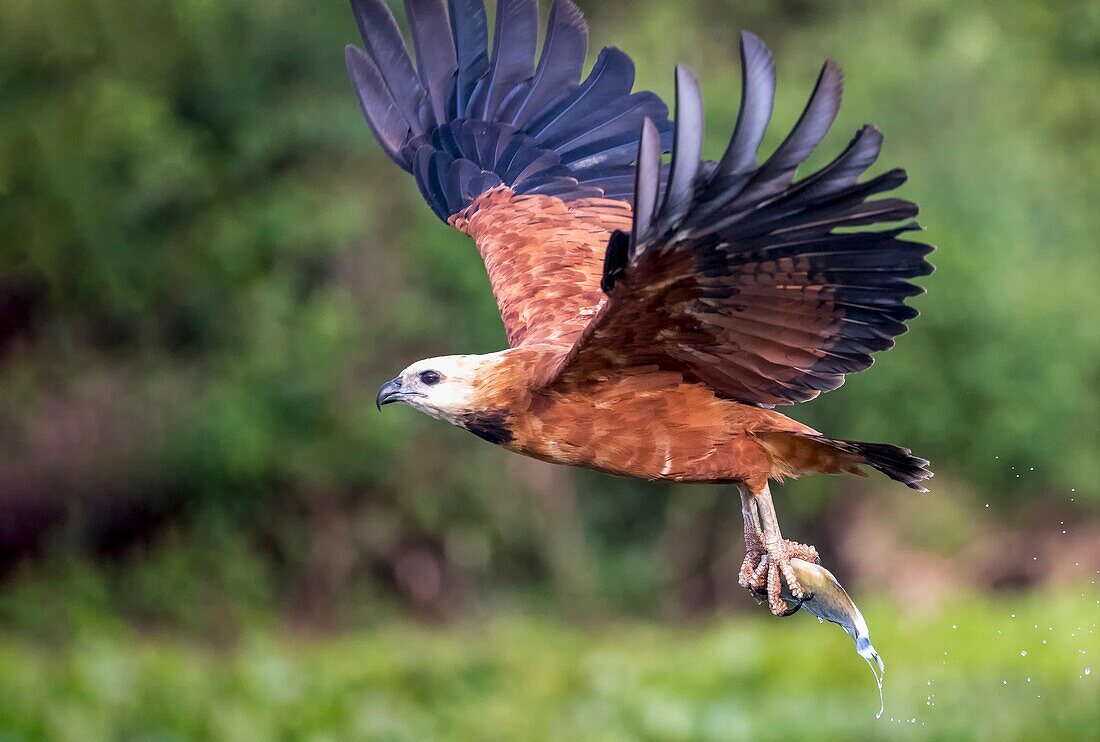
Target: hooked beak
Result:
[[389, 392]]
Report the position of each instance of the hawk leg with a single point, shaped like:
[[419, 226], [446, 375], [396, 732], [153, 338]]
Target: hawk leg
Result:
[[768, 555]]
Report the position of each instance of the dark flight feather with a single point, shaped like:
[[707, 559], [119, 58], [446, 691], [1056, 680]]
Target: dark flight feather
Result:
[[612, 122], [534, 128], [435, 52], [740, 279], [612, 77], [559, 66], [514, 40], [757, 100], [389, 126], [647, 178], [687, 148], [470, 31], [820, 112], [845, 170], [387, 49]]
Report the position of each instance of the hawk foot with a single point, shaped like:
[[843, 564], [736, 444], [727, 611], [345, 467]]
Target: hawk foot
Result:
[[766, 568]]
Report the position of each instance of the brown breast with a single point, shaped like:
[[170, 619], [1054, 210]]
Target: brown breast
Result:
[[644, 423]]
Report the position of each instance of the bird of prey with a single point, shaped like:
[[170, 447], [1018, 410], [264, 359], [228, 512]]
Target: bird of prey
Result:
[[656, 312]]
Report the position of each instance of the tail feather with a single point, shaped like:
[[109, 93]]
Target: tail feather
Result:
[[797, 453], [894, 461]]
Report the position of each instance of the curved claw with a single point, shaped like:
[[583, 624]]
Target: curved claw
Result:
[[796, 603], [762, 595], [792, 610]]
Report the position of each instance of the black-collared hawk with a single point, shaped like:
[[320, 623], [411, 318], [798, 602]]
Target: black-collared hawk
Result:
[[656, 312]]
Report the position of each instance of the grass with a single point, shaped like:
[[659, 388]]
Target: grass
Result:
[[956, 673]]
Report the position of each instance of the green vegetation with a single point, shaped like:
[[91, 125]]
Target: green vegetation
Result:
[[513, 679]]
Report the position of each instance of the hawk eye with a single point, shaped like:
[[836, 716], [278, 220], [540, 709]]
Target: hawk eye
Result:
[[429, 378]]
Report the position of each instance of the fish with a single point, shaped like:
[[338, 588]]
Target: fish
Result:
[[829, 601]]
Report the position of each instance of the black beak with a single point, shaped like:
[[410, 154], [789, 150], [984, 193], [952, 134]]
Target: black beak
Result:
[[389, 392]]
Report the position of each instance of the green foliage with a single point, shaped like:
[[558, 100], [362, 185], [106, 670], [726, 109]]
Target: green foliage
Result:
[[956, 674]]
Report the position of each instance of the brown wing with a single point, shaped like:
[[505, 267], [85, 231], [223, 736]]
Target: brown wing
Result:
[[739, 278], [544, 257], [534, 163]]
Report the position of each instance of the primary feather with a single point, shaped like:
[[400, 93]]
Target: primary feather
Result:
[[741, 280], [489, 120]]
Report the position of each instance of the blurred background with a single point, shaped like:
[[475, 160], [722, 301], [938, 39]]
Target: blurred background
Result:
[[207, 267]]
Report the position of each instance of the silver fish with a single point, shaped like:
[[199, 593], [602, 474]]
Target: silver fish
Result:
[[831, 602]]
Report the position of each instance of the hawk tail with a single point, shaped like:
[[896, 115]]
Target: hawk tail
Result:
[[894, 461], [796, 453]]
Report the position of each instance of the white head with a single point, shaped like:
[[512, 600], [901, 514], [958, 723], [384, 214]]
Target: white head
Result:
[[445, 387]]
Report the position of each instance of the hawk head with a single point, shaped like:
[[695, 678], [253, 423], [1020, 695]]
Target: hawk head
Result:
[[450, 388]]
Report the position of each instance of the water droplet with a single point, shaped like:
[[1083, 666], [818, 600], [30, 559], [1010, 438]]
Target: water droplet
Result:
[[1023, 653], [1004, 682], [1088, 671], [954, 626], [880, 675]]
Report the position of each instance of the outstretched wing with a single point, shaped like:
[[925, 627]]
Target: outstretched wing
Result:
[[766, 289], [532, 162]]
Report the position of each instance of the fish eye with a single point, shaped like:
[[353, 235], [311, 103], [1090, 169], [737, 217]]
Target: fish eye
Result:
[[430, 377]]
